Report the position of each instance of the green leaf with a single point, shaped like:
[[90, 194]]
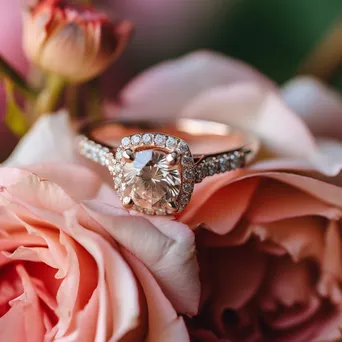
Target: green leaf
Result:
[[7, 71], [15, 118]]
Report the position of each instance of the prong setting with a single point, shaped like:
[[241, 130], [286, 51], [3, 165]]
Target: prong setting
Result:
[[127, 202], [128, 155], [172, 207], [172, 158]]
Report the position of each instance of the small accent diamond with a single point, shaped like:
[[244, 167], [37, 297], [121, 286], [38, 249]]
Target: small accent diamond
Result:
[[160, 212], [118, 154], [185, 199], [199, 176], [236, 160], [186, 160], [159, 139], [117, 181], [117, 168], [189, 174], [125, 141], [183, 147], [135, 139], [110, 160], [171, 142], [212, 167], [147, 139], [224, 164], [188, 187], [205, 171], [149, 211]]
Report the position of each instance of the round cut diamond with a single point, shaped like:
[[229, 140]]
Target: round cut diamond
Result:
[[117, 181], [189, 174], [147, 138], [150, 181], [188, 187], [159, 139], [186, 160], [125, 141], [117, 168], [135, 139], [183, 147], [118, 154], [171, 142]]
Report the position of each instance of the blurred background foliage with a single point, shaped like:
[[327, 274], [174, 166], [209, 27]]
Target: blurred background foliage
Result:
[[282, 38]]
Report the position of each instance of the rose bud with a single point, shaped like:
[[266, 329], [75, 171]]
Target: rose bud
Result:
[[74, 42]]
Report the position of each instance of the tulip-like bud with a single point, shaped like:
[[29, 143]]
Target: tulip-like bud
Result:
[[74, 42]]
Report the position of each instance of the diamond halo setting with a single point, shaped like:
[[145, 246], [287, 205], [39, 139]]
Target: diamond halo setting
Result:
[[155, 173], [152, 176]]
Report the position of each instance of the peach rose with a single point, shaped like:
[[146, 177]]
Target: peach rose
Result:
[[76, 269], [270, 258], [269, 243]]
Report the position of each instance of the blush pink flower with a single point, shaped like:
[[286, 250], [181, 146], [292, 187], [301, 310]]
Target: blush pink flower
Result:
[[208, 85], [269, 243], [74, 42], [77, 269], [270, 258]]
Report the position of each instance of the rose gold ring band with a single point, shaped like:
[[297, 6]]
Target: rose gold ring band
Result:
[[219, 141], [155, 165]]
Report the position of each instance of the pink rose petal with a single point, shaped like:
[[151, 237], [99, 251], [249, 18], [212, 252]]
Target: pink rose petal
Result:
[[228, 206], [119, 310], [251, 107], [164, 324], [81, 183], [161, 244], [318, 105], [247, 269], [290, 202], [43, 143], [165, 89], [31, 310]]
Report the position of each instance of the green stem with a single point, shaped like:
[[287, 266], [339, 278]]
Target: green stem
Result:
[[6, 70], [71, 99], [50, 95], [94, 103]]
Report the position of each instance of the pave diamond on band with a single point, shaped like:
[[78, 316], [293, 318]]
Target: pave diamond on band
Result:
[[155, 173]]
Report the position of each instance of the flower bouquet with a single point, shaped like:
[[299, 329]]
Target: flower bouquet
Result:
[[173, 235]]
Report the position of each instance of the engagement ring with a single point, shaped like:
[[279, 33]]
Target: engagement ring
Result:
[[155, 166]]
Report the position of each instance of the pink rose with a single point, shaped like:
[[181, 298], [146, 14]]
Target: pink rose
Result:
[[78, 269], [270, 257], [265, 223]]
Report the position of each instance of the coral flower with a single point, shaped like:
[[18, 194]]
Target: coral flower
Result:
[[74, 42]]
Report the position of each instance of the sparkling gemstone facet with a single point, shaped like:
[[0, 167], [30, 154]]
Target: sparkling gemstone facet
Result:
[[150, 181]]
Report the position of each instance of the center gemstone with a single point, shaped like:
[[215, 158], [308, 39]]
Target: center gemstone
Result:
[[150, 181]]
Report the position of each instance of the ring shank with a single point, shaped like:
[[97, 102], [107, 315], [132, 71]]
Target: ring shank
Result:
[[206, 139]]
